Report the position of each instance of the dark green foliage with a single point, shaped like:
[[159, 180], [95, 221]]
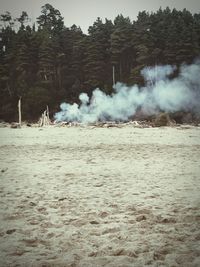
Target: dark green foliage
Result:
[[48, 64], [50, 20], [97, 63], [35, 102], [122, 49]]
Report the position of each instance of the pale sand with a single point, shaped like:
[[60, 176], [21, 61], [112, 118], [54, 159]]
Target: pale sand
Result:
[[100, 197]]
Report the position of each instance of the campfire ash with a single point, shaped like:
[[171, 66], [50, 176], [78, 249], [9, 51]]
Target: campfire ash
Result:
[[161, 93]]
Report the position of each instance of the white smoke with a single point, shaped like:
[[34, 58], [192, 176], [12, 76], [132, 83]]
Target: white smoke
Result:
[[161, 93]]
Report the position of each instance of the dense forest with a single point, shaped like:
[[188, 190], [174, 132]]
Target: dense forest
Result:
[[47, 63]]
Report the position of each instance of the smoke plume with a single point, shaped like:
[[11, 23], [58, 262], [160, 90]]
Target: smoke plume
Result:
[[161, 93]]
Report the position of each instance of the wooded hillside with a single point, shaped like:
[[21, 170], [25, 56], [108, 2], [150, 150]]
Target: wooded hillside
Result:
[[48, 63]]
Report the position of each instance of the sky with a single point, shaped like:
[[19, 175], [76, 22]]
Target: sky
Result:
[[83, 13]]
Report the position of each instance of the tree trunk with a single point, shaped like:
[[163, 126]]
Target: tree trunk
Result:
[[19, 112], [113, 75]]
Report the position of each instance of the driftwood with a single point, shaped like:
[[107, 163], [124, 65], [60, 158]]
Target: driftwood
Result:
[[106, 124], [67, 124], [20, 112], [15, 125], [44, 119]]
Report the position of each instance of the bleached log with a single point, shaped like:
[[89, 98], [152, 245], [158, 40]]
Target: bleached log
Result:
[[44, 119], [20, 112], [113, 75], [48, 120]]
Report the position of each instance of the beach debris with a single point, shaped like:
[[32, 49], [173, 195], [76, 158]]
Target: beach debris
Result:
[[44, 119], [4, 124], [61, 199], [33, 204], [98, 185], [106, 124], [10, 231], [18, 252], [125, 252], [103, 214], [141, 217], [162, 120], [159, 120], [15, 125], [94, 222], [158, 256], [168, 220], [4, 170]]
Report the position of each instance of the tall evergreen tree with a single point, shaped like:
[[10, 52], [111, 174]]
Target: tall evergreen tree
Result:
[[122, 51], [97, 62], [50, 19]]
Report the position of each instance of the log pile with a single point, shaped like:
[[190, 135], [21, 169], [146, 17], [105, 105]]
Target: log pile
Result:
[[135, 124], [159, 120], [106, 124]]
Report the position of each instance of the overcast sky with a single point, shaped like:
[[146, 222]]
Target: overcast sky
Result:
[[83, 13]]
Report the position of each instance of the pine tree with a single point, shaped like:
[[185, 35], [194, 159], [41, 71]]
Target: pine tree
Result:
[[142, 42], [97, 62], [7, 69], [50, 20], [122, 51]]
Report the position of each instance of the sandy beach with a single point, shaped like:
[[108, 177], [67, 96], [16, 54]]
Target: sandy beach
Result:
[[93, 197]]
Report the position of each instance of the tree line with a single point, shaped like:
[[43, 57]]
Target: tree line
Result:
[[48, 63]]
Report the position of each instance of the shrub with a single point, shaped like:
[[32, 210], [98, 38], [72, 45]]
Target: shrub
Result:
[[162, 120]]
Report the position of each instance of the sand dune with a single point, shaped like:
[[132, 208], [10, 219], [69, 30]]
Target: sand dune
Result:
[[92, 197]]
